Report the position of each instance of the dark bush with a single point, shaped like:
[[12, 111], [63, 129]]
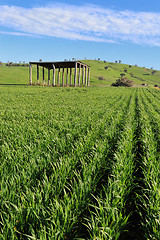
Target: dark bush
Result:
[[11, 64], [101, 78], [123, 81], [153, 72], [122, 75], [106, 67]]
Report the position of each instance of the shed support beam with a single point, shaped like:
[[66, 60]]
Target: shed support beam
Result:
[[67, 78], [83, 76], [37, 74], [88, 77], [63, 78], [43, 76], [48, 77], [75, 75], [30, 74], [70, 76], [59, 71], [79, 77], [54, 73]]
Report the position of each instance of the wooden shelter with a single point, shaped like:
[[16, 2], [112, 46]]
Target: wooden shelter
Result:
[[63, 77]]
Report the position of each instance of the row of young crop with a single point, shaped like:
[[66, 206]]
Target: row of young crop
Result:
[[107, 219], [81, 165], [151, 124]]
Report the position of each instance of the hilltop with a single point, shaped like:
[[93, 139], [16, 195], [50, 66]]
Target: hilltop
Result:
[[102, 74]]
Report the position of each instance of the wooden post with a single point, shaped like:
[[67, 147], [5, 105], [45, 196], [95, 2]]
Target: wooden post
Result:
[[63, 78], [67, 78], [43, 76], [75, 75], [30, 74], [58, 76], [83, 76], [54, 73], [70, 76], [37, 74], [48, 76], [88, 76], [79, 77]]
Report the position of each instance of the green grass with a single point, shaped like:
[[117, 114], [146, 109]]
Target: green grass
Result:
[[14, 75]]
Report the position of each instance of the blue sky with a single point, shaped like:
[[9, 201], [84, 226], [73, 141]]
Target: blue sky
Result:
[[56, 30]]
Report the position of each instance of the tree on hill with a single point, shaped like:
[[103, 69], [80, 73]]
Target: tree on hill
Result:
[[123, 82], [153, 72], [106, 67], [122, 75]]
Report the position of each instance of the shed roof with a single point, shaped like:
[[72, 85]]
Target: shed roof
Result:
[[64, 64]]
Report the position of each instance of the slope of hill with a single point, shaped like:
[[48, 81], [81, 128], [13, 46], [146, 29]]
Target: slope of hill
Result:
[[102, 73], [14, 75], [111, 71]]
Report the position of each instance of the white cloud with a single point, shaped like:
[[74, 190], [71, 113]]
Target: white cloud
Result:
[[90, 23], [18, 34]]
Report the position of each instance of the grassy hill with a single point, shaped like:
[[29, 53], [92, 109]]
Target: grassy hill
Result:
[[102, 73], [138, 75], [14, 75]]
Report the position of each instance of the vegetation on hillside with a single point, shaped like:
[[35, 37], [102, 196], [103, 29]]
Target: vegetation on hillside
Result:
[[122, 82]]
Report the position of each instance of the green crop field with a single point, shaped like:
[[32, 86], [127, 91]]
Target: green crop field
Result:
[[80, 163]]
